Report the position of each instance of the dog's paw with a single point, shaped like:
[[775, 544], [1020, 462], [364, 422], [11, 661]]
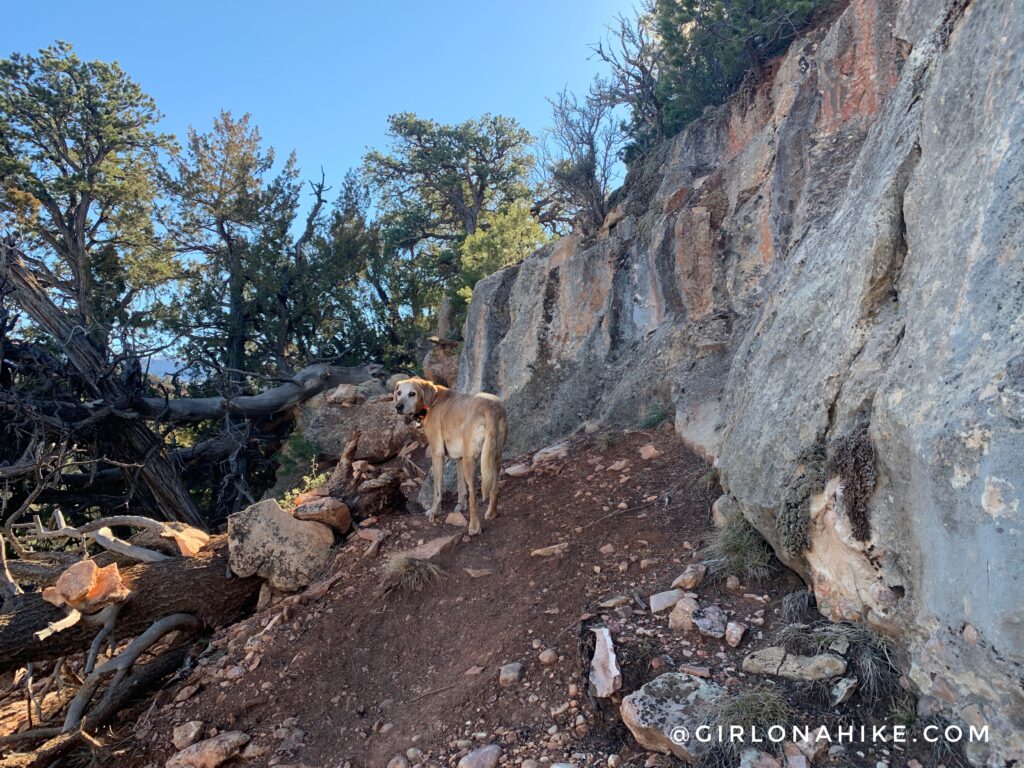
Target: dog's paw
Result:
[[490, 515], [474, 530]]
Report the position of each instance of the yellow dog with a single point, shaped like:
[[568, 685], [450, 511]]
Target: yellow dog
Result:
[[464, 427]]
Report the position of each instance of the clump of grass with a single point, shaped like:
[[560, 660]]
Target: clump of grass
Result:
[[796, 604], [737, 548], [407, 574], [759, 708], [606, 440], [309, 482], [655, 415], [869, 654]]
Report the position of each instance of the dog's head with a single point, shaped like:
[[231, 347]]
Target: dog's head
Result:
[[413, 396]]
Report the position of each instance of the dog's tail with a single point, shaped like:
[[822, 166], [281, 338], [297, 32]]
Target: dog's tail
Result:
[[494, 444]]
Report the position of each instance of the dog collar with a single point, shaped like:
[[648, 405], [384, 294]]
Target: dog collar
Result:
[[421, 415]]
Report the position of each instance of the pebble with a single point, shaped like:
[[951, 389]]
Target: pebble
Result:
[[548, 657], [510, 674]]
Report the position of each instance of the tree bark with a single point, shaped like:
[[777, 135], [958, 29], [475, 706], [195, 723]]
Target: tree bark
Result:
[[199, 585]]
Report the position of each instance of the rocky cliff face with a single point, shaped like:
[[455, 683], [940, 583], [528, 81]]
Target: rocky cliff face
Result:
[[824, 281]]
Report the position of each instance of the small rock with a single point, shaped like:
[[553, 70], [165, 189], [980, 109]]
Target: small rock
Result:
[[552, 551], [186, 734], [607, 549], [414, 753], [732, 583], [211, 752], [691, 578], [398, 761], [794, 757], [457, 519], [842, 690], [710, 621], [484, 757], [473, 671], [662, 601], [755, 758], [253, 751], [614, 761], [734, 632], [775, 661], [548, 657], [510, 674], [682, 614], [433, 548], [605, 676], [529, 763], [518, 470], [476, 573], [648, 452], [186, 693]]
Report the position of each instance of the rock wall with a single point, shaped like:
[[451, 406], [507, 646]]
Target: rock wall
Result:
[[824, 282]]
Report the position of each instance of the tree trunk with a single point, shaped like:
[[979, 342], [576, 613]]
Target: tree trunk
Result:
[[163, 488], [198, 585]]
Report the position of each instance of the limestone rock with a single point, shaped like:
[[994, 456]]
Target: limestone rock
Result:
[[791, 267], [186, 734], [843, 689], [734, 632], [691, 578], [605, 676], [672, 700], [383, 433], [433, 548], [682, 614], [327, 510], [266, 541], [211, 752], [710, 621], [484, 757], [662, 601], [776, 661], [510, 674]]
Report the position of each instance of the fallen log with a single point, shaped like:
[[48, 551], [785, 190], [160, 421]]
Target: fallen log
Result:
[[198, 585], [308, 382]]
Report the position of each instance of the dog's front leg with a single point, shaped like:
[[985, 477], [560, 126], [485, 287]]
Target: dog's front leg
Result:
[[437, 465]]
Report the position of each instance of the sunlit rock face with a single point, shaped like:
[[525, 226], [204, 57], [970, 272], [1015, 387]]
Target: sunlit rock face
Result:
[[838, 248]]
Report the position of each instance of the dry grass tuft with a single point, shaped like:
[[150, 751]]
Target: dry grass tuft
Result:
[[407, 574], [758, 708], [869, 654], [737, 548]]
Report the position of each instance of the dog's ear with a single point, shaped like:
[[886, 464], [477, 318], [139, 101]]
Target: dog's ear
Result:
[[427, 393]]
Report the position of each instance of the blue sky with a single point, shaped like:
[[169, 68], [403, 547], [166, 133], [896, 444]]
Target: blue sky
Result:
[[321, 78]]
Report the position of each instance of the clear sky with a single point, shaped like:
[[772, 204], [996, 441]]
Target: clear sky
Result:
[[321, 78]]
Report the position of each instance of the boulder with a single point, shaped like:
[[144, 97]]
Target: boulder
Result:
[[670, 701], [266, 541], [383, 433], [211, 752]]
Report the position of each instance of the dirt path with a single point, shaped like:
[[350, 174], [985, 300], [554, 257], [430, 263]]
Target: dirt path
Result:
[[353, 679]]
